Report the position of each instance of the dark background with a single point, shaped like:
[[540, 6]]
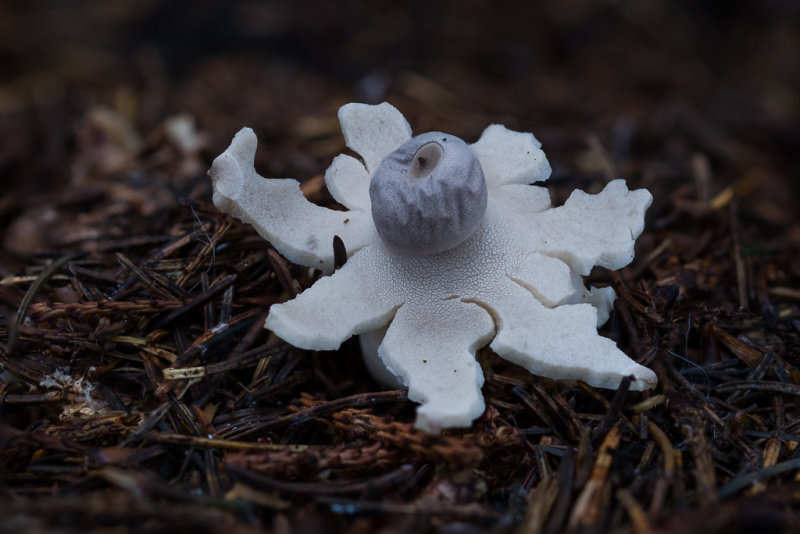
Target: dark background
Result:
[[654, 78], [696, 101]]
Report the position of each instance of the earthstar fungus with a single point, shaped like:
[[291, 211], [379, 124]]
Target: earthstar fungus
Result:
[[462, 254]]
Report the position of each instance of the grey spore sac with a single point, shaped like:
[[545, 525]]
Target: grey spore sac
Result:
[[429, 195]]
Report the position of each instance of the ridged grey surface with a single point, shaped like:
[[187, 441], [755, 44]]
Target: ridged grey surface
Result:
[[429, 195]]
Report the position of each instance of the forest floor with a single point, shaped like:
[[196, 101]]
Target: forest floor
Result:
[[138, 389]]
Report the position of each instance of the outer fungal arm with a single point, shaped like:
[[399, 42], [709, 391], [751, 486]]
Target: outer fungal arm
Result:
[[277, 209], [510, 157], [432, 348], [591, 230], [373, 131], [348, 182], [335, 308], [560, 343]]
